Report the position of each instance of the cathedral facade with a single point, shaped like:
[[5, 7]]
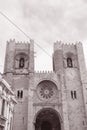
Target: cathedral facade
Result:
[[48, 100]]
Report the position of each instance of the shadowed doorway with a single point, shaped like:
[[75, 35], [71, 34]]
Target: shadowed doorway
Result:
[[46, 125], [47, 119]]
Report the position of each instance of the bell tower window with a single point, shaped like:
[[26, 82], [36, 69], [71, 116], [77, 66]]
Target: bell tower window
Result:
[[21, 63], [69, 62]]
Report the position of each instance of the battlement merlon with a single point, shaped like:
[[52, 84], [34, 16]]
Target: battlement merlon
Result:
[[32, 45], [59, 45]]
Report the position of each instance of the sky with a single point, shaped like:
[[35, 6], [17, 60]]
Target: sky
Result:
[[45, 21]]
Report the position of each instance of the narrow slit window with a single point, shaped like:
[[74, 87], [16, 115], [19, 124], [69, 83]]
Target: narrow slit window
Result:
[[72, 94], [69, 62], [3, 107], [75, 96], [21, 94], [18, 93]]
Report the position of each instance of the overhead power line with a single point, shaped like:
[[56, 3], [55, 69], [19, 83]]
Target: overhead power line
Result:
[[6, 17]]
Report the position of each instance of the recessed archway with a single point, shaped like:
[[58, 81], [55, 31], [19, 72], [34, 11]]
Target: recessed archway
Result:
[[47, 119], [46, 125]]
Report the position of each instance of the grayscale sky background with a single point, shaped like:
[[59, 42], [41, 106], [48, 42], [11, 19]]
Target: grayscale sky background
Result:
[[45, 21]]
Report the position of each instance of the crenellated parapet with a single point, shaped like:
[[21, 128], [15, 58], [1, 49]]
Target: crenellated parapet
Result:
[[21, 44], [31, 41], [43, 72], [61, 45], [11, 40], [42, 75]]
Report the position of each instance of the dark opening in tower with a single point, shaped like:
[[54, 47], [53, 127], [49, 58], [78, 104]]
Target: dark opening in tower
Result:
[[21, 63]]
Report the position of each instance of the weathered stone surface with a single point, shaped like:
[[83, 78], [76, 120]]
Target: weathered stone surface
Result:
[[70, 101]]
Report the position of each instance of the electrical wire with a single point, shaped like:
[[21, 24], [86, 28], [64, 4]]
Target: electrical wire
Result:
[[23, 32]]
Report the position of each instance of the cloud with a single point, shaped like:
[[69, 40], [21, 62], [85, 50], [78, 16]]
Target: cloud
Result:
[[45, 21], [56, 17]]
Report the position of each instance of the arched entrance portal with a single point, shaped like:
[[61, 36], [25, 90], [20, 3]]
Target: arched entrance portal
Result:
[[47, 119], [46, 125]]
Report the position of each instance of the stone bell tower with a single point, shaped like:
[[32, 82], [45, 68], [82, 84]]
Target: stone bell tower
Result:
[[19, 57], [19, 67], [69, 64]]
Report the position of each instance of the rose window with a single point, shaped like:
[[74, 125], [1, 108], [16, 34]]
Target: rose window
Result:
[[46, 90]]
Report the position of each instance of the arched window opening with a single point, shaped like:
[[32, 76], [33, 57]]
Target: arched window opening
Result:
[[3, 107], [20, 94], [73, 95], [69, 62], [21, 62]]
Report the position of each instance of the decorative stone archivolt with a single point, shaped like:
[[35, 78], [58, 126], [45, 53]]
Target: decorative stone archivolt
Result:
[[46, 90]]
